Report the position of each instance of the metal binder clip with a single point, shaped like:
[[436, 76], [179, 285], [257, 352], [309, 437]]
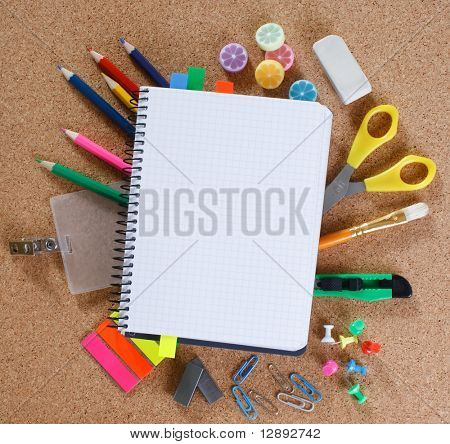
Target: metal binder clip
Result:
[[298, 403], [244, 403], [34, 246], [282, 380], [263, 402], [246, 368], [306, 387]]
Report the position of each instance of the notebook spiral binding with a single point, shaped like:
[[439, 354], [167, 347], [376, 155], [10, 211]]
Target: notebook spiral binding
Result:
[[129, 214]]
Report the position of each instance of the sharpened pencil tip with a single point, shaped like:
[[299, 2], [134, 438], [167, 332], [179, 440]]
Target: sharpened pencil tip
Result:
[[89, 48], [59, 67], [129, 48], [95, 55], [110, 82], [65, 72], [70, 134], [38, 160]]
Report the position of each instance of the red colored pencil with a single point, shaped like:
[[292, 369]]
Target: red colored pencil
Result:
[[115, 73]]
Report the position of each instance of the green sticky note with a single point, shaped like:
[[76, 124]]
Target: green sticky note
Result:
[[167, 346], [196, 77]]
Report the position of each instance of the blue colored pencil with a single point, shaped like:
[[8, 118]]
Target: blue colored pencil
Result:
[[144, 64], [98, 101]]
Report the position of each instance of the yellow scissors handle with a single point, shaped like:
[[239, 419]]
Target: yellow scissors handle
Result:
[[364, 143], [390, 180]]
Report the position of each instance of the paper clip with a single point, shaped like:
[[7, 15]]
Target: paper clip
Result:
[[299, 403], [244, 403], [263, 402], [245, 370], [306, 387], [282, 380]]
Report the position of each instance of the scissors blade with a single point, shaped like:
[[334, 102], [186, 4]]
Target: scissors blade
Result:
[[355, 187], [337, 189]]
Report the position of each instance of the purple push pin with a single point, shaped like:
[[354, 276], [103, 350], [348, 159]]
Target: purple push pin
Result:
[[233, 57]]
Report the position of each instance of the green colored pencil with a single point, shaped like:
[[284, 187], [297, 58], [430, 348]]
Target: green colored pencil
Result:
[[83, 181]]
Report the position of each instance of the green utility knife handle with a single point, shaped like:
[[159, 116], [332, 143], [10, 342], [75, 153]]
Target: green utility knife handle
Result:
[[376, 287]]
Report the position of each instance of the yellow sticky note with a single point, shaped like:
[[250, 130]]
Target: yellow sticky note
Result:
[[150, 349], [167, 346]]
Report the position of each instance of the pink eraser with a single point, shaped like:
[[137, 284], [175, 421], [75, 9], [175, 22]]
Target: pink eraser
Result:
[[110, 362]]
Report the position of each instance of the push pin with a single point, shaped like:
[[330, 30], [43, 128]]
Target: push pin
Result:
[[356, 327], [355, 390], [370, 348], [346, 341], [353, 367], [330, 368], [328, 339]]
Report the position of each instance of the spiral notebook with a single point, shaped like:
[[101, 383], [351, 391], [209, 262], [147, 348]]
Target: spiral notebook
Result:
[[224, 219]]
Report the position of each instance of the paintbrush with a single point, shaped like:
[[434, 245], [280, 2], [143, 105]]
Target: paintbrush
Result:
[[399, 217]]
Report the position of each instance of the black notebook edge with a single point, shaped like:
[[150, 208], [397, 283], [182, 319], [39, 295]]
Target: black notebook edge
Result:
[[223, 345]]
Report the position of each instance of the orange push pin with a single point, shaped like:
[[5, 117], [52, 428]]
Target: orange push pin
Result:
[[346, 341]]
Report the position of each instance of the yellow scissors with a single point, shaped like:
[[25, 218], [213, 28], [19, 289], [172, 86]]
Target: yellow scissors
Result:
[[389, 180]]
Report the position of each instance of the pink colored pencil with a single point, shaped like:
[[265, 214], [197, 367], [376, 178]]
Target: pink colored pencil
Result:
[[98, 151]]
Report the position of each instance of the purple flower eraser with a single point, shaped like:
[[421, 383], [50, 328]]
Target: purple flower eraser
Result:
[[233, 57]]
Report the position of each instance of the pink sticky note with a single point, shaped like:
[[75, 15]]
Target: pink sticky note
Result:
[[110, 362]]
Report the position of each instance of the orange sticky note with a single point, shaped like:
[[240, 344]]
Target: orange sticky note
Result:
[[124, 349], [223, 86]]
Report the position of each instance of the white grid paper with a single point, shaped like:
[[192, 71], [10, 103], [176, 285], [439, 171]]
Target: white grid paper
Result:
[[225, 288]]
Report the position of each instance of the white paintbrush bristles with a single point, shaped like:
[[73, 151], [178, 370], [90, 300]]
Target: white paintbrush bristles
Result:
[[416, 211]]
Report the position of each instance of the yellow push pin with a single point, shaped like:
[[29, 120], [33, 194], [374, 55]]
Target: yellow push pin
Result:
[[346, 341]]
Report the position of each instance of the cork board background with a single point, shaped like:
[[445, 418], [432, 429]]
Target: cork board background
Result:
[[45, 374]]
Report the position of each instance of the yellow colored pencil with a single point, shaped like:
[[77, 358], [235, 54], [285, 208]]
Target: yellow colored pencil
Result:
[[120, 93]]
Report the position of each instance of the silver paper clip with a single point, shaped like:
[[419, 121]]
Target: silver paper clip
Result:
[[263, 402], [299, 403], [282, 380], [306, 387], [244, 403], [246, 368]]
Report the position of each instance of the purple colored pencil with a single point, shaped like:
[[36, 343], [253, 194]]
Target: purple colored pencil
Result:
[[144, 64]]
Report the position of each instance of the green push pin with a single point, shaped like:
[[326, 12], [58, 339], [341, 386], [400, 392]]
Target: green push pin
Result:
[[356, 327], [355, 390]]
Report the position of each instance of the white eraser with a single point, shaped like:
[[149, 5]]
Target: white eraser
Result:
[[342, 69]]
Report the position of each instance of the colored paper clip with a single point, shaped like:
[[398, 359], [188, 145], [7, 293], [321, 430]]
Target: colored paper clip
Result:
[[306, 387], [282, 380], [244, 403], [298, 403], [263, 402], [246, 368]]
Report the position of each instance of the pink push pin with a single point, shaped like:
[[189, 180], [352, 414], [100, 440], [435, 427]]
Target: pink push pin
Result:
[[233, 57], [330, 368]]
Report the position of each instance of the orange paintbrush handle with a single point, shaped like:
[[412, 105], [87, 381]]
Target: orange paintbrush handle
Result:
[[336, 238]]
